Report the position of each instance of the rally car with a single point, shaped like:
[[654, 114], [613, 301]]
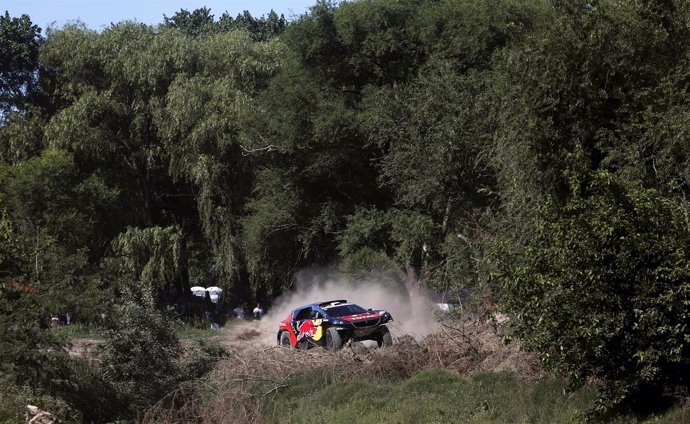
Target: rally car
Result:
[[332, 324]]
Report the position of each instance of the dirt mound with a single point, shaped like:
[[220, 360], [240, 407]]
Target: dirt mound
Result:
[[258, 369]]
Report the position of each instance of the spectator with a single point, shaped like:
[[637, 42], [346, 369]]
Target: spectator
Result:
[[258, 312], [239, 312]]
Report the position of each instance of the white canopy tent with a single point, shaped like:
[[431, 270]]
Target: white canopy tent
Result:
[[198, 291], [214, 293]]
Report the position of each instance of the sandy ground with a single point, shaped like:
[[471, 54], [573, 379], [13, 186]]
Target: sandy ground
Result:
[[264, 333], [236, 336], [84, 348]]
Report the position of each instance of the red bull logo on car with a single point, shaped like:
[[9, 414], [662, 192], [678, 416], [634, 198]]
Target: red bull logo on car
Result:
[[310, 328]]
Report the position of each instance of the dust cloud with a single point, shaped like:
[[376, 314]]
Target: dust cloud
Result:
[[412, 310]]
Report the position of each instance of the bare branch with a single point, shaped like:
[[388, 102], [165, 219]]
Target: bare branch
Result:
[[247, 152], [268, 147]]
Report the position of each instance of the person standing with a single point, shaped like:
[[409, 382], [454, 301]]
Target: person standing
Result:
[[258, 312], [239, 312]]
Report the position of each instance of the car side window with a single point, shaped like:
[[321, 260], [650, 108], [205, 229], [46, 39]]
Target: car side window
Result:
[[316, 314], [303, 314]]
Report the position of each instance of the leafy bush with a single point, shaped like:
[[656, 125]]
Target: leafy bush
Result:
[[97, 399], [200, 359], [14, 399], [12, 403], [140, 354], [365, 262], [29, 355], [603, 291]]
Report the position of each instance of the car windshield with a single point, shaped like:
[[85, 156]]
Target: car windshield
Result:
[[344, 310]]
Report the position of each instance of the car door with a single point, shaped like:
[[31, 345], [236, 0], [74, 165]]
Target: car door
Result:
[[301, 322]]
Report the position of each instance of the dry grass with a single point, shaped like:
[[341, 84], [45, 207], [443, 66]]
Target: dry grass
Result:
[[239, 385]]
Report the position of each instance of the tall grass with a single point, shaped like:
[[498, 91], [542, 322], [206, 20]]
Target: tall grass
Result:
[[200, 330], [184, 331], [436, 396], [80, 331]]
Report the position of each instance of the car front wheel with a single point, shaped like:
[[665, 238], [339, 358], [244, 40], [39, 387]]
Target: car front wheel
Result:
[[333, 340], [384, 338]]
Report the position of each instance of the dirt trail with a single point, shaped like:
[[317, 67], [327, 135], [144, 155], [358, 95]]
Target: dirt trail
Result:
[[250, 335], [238, 336], [467, 348]]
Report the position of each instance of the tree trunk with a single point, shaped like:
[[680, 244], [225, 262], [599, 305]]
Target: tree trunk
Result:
[[410, 275], [145, 185], [446, 216]]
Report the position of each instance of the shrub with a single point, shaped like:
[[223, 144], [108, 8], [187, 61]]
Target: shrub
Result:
[[603, 292], [141, 352]]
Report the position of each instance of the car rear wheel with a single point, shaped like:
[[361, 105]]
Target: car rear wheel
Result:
[[333, 340], [285, 339], [384, 338]]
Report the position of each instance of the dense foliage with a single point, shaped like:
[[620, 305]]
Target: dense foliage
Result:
[[533, 150], [603, 289], [19, 45]]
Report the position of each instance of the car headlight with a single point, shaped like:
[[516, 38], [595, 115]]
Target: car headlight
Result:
[[337, 322]]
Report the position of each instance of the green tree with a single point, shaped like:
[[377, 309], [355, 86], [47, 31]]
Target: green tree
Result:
[[400, 236], [435, 125], [260, 29], [203, 128], [602, 291], [595, 236], [154, 257], [308, 136], [20, 40], [21, 137], [195, 23], [270, 229], [112, 83], [56, 215], [434, 135], [47, 196], [200, 22]]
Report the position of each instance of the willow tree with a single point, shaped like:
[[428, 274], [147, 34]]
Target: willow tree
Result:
[[202, 124], [110, 85], [154, 257]]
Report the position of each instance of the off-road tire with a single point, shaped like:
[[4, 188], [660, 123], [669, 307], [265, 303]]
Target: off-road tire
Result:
[[285, 339], [333, 339], [384, 339]]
